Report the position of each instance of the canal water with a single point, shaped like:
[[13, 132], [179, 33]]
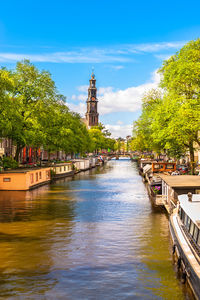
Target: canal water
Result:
[[92, 237]]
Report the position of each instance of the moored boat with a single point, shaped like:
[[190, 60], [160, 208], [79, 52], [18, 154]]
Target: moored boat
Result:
[[185, 231], [62, 170]]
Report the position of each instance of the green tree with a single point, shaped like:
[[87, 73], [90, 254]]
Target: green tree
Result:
[[142, 129], [6, 108], [181, 82], [32, 89]]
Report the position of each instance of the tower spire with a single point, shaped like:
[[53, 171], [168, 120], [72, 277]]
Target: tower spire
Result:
[[92, 116]]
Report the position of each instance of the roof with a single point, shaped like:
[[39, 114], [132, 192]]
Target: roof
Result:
[[191, 208], [147, 168], [181, 180], [24, 170]]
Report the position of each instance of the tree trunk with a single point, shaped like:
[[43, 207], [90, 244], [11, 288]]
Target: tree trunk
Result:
[[192, 163], [57, 155], [49, 155], [19, 147]]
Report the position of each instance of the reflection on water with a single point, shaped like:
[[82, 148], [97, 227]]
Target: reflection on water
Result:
[[93, 237]]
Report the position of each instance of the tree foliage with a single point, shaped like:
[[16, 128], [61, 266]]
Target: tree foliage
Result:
[[100, 138], [33, 113], [170, 121]]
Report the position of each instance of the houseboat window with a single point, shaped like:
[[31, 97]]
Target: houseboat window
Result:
[[182, 215], [188, 223], [6, 179], [36, 176], [64, 168], [40, 175], [169, 166], [47, 174], [198, 241], [197, 191], [31, 178], [161, 167], [60, 169], [191, 228], [180, 212], [185, 219], [157, 166], [195, 233]]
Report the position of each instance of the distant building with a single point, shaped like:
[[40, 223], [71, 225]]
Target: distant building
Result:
[[6, 147], [92, 116]]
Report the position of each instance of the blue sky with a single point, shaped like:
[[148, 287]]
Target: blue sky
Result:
[[125, 41]]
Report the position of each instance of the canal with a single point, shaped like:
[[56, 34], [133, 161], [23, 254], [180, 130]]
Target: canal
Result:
[[92, 237]]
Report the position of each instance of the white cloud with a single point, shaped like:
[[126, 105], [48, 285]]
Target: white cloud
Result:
[[82, 88], [119, 130], [73, 97], [79, 56], [155, 47], [128, 100], [81, 97], [163, 56], [119, 122], [111, 101], [79, 108], [103, 90], [117, 67], [115, 54]]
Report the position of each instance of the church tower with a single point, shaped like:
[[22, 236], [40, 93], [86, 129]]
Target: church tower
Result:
[[92, 116]]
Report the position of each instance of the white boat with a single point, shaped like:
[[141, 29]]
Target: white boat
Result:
[[185, 231]]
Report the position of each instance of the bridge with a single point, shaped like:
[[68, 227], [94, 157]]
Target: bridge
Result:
[[119, 154]]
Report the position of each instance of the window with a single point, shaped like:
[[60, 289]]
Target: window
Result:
[[47, 175], [195, 235], [6, 179], [185, 219], [40, 175], [60, 169], [64, 168], [169, 166], [197, 191], [188, 223], [161, 167], [157, 166], [36, 176], [182, 215], [180, 212], [191, 228], [31, 178], [198, 240]]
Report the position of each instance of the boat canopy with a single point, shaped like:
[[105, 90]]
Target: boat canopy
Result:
[[191, 208]]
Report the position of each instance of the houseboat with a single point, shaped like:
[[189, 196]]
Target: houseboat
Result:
[[62, 170], [82, 164], [161, 167], [185, 232], [24, 179], [93, 161], [173, 186]]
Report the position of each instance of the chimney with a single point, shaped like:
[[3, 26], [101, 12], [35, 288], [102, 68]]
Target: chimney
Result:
[[190, 197]]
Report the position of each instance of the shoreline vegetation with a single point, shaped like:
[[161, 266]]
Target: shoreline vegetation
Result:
[[170, 120], [34, 114]]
